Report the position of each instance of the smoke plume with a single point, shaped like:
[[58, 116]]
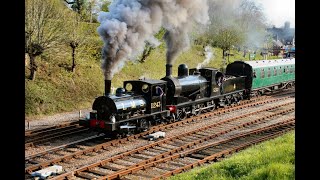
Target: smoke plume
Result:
[[208, 54], [129, 24]]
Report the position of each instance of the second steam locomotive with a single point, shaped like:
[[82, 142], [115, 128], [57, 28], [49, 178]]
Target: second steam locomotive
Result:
[[141, 104]]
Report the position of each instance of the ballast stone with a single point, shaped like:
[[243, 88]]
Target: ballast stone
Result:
[[156, 135], [44, 173]]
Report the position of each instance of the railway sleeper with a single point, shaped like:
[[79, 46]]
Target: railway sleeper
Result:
[[179, 162], [166, 168], [141, 156], [198, 156], [86, 175], [143, 174], [100, 173], [110, 167]]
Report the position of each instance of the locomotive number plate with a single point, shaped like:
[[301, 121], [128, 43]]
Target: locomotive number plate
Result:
[[155, 105]]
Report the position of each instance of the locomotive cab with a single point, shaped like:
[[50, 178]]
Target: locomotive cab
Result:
[[153, 92]]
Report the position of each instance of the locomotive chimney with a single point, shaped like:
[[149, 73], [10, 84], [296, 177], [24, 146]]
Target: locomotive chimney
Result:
[[107, 87], [168, 69]]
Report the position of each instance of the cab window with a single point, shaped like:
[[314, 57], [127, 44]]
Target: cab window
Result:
[[145, 88]]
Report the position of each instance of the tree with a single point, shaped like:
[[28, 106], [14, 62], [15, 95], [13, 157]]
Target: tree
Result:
[[105, 6], [85, 8], [146, 52], [43, 28], [90, 8], [250, 15], [252, 23], [76, 36], [150, 46], [226, 38], [76, 5], [234, 23]]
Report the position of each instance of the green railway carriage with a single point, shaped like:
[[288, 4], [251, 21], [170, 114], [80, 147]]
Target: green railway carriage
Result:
[[272, 73], [265, 75]]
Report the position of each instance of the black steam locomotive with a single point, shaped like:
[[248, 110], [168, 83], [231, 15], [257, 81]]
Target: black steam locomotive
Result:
[[141, 104]]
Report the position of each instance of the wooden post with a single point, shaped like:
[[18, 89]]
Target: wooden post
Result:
[[28, 124], [79, 113]]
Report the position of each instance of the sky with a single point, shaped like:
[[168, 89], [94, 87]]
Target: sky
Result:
[[279, 11]]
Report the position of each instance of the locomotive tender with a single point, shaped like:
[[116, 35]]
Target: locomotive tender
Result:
[[141, 104]]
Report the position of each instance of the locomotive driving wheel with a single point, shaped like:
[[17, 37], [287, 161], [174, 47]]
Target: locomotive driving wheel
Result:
[[181, 114], [171, 118], [198, 109], [228, 101], [143, 125], [213, 106]]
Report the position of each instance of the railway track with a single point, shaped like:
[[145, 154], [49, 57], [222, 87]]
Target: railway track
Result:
[[37, 136], [106, 146], [153, 129], [194, 146]]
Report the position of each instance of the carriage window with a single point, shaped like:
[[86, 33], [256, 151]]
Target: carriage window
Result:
[[254, 74], [284, 70], [280, 71], [275, 72], [262, 73], [291, 69], [128, 87], [145, 88], [269, 72]]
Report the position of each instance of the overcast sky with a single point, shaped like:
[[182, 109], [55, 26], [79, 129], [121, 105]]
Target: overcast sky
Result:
[[279, 11]]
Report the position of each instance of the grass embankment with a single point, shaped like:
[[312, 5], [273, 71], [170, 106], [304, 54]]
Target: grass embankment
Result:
[[56, 89], [274, 159]]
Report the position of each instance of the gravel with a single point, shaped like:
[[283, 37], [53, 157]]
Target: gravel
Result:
[[46, 121]]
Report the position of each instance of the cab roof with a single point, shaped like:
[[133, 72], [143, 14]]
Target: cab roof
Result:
[[149, 81]]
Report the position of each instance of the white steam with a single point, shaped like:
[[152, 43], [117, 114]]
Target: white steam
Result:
[[208, 53], [129, 24]]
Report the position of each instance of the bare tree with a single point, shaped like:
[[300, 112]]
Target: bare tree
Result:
[[146, 52], [90, 8], [76, 36], [234, 23], [43, 28], [252, 23], [250, 15]]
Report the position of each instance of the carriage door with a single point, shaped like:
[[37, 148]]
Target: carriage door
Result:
[[156, 99]]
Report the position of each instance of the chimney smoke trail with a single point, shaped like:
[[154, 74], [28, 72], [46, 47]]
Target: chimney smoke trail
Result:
[[129, 24]]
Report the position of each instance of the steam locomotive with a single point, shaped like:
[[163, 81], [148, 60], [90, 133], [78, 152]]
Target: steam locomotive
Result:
[[141, 104]]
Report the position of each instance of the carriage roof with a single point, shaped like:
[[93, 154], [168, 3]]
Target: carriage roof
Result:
[[268, 63]]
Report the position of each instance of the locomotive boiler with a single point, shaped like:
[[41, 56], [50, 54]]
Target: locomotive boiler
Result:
[[185, 87]]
